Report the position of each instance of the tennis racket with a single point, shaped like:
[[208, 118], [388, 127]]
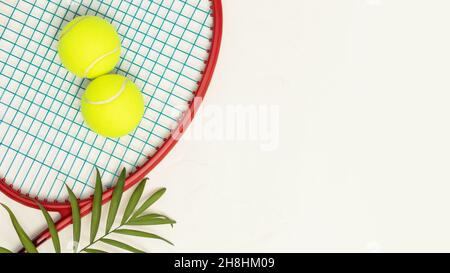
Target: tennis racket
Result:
[[169, 49]]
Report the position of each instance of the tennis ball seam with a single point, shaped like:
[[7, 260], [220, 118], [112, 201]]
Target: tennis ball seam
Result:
[[113, 98], [96, 61], [73, 26], [99, 59]]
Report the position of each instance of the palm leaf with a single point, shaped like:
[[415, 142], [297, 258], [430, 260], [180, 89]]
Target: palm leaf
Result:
[[115, 201], [52, 229], [150, 201], [96, 207], [26, 241], [151, 220], [4, 250], [76, 219], [121, 245], [93, 250], [134, 200], [141, 234], [131, 217]]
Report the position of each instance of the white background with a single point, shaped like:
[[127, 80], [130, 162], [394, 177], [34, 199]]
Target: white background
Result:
[[364, 139]]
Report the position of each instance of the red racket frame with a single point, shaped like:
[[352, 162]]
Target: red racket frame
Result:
[[64, 208]]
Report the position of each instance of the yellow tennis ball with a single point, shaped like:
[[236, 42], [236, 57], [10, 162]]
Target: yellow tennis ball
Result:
[[112, 106], [89, 47]]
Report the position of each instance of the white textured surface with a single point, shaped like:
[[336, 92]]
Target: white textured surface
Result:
[[364, 147]]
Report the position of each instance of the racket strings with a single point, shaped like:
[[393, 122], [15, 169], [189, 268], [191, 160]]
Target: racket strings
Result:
[[45, 142]]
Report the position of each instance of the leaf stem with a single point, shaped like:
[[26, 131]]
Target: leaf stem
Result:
[[102, 237]]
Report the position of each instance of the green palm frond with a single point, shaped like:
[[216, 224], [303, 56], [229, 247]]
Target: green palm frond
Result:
[[121, 245], [94, 251], [24, 238], [4, 250], [142, 234], [150, 201], [115, 201], [131, 217], [134, 200], [76, 219], [96, 207], [52, 229]]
